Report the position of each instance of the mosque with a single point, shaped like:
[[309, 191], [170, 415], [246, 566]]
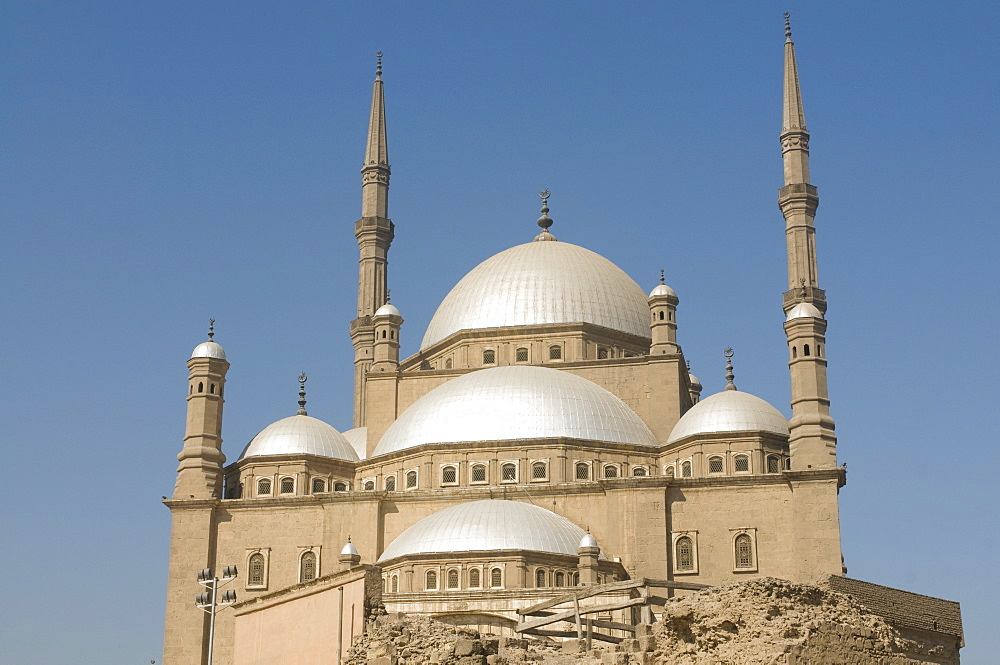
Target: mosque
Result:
[[547, 434]]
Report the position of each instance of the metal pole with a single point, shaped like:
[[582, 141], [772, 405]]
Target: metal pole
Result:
[[211, 623]]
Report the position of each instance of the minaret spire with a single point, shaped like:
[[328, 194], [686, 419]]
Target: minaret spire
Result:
[[302, 395], [375, 171]]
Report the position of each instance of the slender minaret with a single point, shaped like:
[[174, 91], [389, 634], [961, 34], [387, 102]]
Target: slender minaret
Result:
[[374, 232], [813, 443]]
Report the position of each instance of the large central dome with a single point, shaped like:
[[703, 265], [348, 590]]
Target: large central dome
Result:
[[538, 283]]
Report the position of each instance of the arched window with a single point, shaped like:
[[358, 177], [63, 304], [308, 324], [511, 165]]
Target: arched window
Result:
[[610, 471], [319, 485], [449, 475], [340, 487], [201, 387], [411, 479], [369, 485], [540, 578], [521, 355], [395, 584], [496, 578], [661, 315], [684, 555], [287, 485], [805, 349], [773, 464], [474, 578], [390, 483], [795, 352], [255, 567], [788, 465], [211, 388], [489, 357], [453, 579], [307, 567], [638, 471], [431, 580], [819, 350], [741, 463], [392, 334], [582, 471], [560, 579], [447, 363], [539, 471], [508, 472], [555, 352], [383, 333], [425, 365], [602, 353], [264, 487], [744, 551], [191, 390], [715, 464], [478, 473], [686, 469]]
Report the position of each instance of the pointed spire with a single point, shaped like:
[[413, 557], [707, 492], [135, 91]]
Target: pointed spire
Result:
[[794, 116], [375, 170], [211, 329], [302, 395], [730, 377], [545, 221]]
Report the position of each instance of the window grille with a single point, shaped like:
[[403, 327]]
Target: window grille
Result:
[[685, 553], [395, 584], [431, 580], [319, 485], [308, 567], [638, 471], [521, 355], [339, 487], [602, 353], [540, 578], [287, 485], [508, 472], [411, 479], [390, 483], [539, 471], [256, 568], [715, 465], [369, 485], [479, 473], [264, 486], [669, 471], [773, 465], [425, 365], [610, 471], [449, 474], [560, 579], [555, 353], [582, 471], [496, 578], [452, 579], [474, 578], [686, 470], [447, 363], [489, 357], [741, 463], [744, 551]]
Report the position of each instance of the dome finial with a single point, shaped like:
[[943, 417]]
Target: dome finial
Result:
[[378, 65], [788, 28], [387, 296], [661, 277], [302, 395], [545, 221], [728, 353], [211, 329]]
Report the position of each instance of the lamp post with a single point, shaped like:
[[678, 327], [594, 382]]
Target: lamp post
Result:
[[209, 601]]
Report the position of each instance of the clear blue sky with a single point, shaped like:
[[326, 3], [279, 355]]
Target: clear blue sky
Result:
[[167, 162]]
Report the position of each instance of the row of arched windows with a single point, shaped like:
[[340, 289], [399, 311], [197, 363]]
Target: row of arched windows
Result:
[[257, 568], [201, 388], [685, 554], [475, 577], [286, 486], [806, 351], [717, 465]]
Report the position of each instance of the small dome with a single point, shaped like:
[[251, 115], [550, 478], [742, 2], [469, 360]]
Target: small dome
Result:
[[804, 310], [538, 283], [488, 526], [358, 438], [729, 411], [588, 540], [662, 290], [209, 350], [388, 310], [520, 402], [300, 435], [695, 383], [349, 549]]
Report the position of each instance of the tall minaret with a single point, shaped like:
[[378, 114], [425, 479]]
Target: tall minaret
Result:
[[813, 442], [374, 232]]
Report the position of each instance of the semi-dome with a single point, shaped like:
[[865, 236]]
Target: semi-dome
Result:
[[729, 411], [804, 310], [520, 402], [300, 435], [209, 349], [488, 526], [358, 438], [538, 283]]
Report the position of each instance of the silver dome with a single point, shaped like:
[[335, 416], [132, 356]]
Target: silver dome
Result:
[[520, 402], [662, 290], [300, 435], [804, 310], [388, 310], [729, 411], [358, 438], [209, 350], [488, 526], [538, 283], [349, 549], [588, 540]]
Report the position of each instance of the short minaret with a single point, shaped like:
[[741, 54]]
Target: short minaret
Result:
[[374, 232], [695, 383], [387, 322], [812, 443], [589, 552], [663, 309], [199, 475], [349, 557]]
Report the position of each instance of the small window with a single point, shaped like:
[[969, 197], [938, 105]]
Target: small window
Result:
[[255, 566], [478, 473], [425, 365], [540, 578], [340, 487], [369, 485], [819, 350], [602, 353], [474, 578], [318, 485], [508, 472], [661, 315], [307, 567], [449, 475], [686, 470], [638, 471], [447, 363], [576, 579], [287, 485], [539, 471], [582, 471], [521, 355], [555, 352], [392, 334], [211, 389], [264, 487], [411, 479], [715, 465], [610, 471], [787, 465], [805, 349], [669, 471], [390, 483], [560, 579], [395, 584], [496, 578], [744, 551], [191, 390], [453, 579], [383, 334], [741, 463], [489, 357], [201, 387], [431, 580], [795, 352], [773, 464], [685, 554]]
